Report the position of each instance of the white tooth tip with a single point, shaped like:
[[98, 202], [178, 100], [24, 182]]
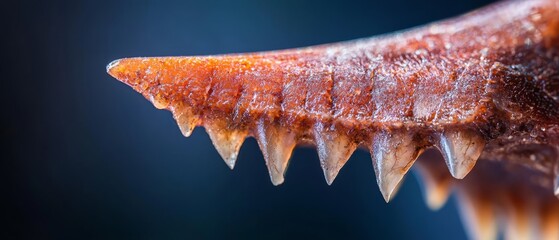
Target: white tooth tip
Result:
[[330, 173], [186, 130], [186, 124], [229, 161], [329, 178], [230, 164], [461, 149], [276, 172], [389, 186], [277, 180], [386, 194]]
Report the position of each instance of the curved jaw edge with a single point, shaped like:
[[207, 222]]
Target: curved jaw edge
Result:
[[398, 96]]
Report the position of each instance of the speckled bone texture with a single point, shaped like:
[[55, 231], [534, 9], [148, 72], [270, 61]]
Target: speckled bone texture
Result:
[[482, 86]]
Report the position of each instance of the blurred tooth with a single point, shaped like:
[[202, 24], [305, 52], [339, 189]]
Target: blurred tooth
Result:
[[393, 154], [435, 180], [437, 195], [520, 221], [549, 222], [186, 119], [460, 149], [478, 215], [226, 141], [556, 180], [276, 144], [334, 149]]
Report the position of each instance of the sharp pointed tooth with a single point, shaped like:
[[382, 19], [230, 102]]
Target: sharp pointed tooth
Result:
[[276, 144], [334, 149], [393, 154], [478, 215], [226, 141], [461, 149], [185, 118], [435, 180]]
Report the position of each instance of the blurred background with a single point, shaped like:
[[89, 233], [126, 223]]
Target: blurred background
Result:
[[84, 156]]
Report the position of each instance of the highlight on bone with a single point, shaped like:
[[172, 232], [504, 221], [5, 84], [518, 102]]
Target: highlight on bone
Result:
[[482, 89]]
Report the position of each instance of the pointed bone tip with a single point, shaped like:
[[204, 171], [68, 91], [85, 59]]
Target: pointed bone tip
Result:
[[112, 64], [120, 69], [114, 68]]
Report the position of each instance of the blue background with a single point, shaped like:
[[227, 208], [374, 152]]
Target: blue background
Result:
[[84, 156]]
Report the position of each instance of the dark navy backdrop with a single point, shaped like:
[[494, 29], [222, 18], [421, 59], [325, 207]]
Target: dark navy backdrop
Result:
[[85, 156]]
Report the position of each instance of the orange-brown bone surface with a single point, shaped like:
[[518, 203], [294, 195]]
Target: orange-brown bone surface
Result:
[[484, 85]]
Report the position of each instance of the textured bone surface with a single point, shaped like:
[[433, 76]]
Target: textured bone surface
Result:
[[483, 88]]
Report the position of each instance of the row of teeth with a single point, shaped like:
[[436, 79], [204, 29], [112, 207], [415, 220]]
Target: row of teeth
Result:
[[393, 152]]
